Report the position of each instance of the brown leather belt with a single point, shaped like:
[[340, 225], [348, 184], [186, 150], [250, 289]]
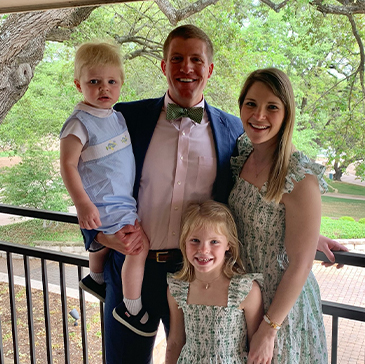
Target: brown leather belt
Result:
[[164, 256]]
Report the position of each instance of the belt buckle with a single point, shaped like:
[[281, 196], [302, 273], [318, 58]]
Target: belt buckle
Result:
[[158, 257]]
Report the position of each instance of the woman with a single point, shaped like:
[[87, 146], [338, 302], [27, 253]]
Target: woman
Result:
[[277, 205]]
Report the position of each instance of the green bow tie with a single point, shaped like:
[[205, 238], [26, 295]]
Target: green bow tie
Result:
[[175, 112]]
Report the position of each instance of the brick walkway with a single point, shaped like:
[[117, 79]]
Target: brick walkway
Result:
[[345, 285]]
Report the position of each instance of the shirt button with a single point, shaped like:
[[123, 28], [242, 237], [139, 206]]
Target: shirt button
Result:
[[176, 208], [173, 233], [183, 133], [181, 157], [179, 183]]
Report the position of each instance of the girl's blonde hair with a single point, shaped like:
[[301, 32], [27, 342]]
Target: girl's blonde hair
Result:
[[217, 216], [93, 54], [281, 87]]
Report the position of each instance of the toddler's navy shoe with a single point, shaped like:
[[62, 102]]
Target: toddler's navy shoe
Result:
[[96, 289], [133, 323]]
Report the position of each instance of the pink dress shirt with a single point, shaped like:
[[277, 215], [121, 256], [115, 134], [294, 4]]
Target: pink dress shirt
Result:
[[180, 167]]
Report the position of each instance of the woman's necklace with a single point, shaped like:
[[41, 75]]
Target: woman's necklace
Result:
[[262, 169], [207, 284]]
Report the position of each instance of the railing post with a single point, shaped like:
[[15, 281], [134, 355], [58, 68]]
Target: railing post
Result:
[[66, 344], [1, 345], [83, 320], [334, 339], [30, 310], [47, 319], [13, 307]]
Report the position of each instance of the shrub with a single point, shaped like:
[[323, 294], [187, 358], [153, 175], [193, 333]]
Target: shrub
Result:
[[347, 218], [362, 221], [342, 229]]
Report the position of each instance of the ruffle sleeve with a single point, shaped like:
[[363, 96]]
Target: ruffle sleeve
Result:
[[241, 286], [178, 289], [299, 166], [245, 148]]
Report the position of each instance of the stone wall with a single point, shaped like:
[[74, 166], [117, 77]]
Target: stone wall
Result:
[[353, 245]]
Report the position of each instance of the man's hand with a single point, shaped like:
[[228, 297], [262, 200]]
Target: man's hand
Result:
[[325, 245], [127, 240]]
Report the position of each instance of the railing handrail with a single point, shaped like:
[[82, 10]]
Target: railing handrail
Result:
[[39, 214], [347, 258], [44, 254], [344, 311]]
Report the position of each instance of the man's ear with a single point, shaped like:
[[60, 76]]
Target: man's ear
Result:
[[211, 66], [163, 66], [77, 84]]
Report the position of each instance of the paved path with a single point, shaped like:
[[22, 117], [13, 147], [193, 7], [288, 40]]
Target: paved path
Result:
[[351, 178], [339, 195]]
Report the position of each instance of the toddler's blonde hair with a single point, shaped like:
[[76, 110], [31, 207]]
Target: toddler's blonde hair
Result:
[[93, 54]]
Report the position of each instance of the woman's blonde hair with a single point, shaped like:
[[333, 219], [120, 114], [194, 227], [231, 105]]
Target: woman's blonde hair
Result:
[[281, 87], [93, 54], [211, 215]]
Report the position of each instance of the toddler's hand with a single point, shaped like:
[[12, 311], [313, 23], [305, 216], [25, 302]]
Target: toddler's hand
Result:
[[88, 216]]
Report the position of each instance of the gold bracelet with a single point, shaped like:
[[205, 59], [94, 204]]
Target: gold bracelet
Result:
[[273, 324]]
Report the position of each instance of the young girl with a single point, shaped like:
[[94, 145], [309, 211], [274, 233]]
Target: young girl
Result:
[[276, 202], [214, 307]]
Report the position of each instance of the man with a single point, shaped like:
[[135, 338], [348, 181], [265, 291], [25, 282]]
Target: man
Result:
[[178, 160]]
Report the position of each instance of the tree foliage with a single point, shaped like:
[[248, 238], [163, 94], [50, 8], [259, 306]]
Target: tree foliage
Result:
[[35, 181]]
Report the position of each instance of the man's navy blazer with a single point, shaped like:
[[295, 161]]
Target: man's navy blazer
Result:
[[142, 116]]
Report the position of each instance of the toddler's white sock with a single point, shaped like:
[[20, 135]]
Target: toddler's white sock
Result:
[[134, 306], [97, 277]]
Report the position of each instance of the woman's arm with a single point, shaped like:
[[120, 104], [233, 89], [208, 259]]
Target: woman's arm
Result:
[[176, 338], [253, 307], [70, 151], [303, 220]]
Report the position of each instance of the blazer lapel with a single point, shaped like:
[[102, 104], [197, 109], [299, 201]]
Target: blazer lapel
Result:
[[223, 147]]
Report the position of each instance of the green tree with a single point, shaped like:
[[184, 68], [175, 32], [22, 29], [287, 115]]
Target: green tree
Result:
[[35, 181], [31, 131], [47, 103]]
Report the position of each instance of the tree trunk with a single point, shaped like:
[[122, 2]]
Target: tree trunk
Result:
[[22, 43], [338, 171]]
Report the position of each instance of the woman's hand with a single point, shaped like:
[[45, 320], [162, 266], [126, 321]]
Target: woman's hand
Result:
[[327, 246], [262, 345]]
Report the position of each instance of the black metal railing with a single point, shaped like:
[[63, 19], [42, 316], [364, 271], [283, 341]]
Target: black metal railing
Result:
[[45, 256], [340, 310], [336, 310]]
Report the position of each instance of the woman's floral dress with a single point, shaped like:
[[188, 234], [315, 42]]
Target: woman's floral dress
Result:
[[214, 334], [261, 230]]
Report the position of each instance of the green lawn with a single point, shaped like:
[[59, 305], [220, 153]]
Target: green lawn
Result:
[[338, 207], [342, 229], [345, 188], [31, 231]]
